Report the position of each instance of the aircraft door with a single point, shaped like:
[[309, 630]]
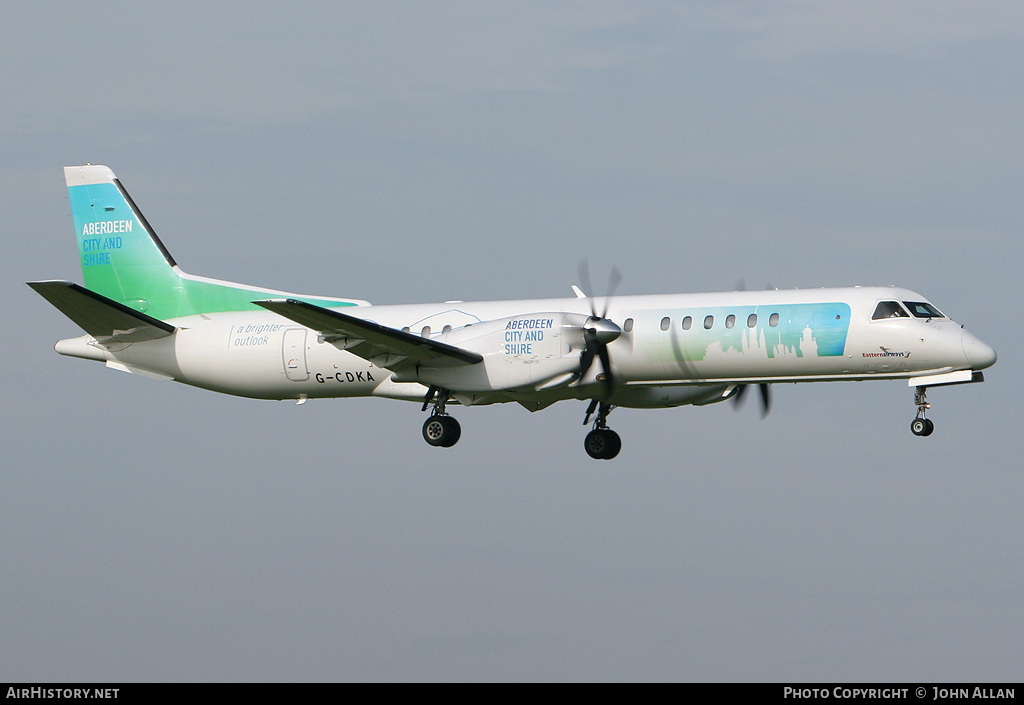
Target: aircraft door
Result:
[[293, 354]]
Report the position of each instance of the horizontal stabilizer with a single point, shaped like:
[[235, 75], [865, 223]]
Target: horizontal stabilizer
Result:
[[104, 319], [384, 346]]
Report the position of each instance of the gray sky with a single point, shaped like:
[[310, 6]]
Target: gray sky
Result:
[[402, 152]]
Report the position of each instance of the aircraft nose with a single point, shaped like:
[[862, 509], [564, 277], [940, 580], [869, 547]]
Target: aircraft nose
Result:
[[979, 354]]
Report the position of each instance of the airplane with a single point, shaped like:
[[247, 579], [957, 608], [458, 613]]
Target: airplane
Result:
[[142, 314]]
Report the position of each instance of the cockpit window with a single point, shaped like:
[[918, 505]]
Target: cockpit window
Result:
[[922, 309], [888, 309]]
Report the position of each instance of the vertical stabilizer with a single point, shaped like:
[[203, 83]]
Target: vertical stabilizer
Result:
[[123, 259]]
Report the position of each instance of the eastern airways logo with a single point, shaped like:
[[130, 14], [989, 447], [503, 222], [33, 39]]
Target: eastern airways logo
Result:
[[887, 353]]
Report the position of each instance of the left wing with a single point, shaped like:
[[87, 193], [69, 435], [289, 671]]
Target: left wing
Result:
[[381, 345]]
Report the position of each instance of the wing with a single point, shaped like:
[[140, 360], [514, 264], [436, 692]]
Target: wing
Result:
[[104, 319], [381, 345]]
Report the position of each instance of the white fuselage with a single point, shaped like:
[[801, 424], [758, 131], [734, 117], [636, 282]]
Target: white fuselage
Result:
[[674, 349]]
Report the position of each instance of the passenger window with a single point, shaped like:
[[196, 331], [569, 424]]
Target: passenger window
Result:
[[628, 325], [888, 309], [751, 320], [921, 309], [687, 322], [665, 323], [708, 322], [730, 321], [773, 320]]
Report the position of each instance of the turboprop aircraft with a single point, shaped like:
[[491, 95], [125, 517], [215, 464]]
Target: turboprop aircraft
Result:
[[142, 314]]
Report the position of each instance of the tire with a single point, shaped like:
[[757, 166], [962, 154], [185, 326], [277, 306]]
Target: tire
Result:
[[614, 445], [453, 432], [921, 427], [602, 444], [594, 444], [441, 431]]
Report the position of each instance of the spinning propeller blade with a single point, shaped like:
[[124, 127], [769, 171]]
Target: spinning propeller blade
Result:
[[766, 402], [599, 331]]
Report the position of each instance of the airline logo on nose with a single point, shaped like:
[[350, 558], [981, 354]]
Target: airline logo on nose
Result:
[[887, 353]]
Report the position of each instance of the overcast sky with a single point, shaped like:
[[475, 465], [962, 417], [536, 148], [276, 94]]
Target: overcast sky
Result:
[[404, 152]]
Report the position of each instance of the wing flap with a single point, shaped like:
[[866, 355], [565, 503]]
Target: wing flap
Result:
[[387, 347], [104, 319]]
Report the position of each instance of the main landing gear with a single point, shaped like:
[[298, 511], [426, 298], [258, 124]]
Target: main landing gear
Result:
[[602, 443], [440, 429], [921, 426], [443, 431]]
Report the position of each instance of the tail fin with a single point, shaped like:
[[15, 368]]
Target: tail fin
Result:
[[124, 260]]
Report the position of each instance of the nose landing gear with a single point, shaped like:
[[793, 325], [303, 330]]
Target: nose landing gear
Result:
[[921, 426]]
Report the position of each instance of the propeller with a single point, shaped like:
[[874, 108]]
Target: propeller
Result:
[[766, 402], [614, 279], [598, 330]]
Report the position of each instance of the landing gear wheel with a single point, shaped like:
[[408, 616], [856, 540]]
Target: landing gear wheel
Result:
[[602, 444], [922, 427], [441, 431]]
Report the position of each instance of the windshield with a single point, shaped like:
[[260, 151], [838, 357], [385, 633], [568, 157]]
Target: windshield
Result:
[[923, 309]]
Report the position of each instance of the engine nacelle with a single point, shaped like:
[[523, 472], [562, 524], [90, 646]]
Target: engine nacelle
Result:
[[532, 351]]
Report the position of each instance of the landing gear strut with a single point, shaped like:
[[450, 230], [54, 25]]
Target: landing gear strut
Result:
[[921, 426], [440, 429], [602, 443]]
